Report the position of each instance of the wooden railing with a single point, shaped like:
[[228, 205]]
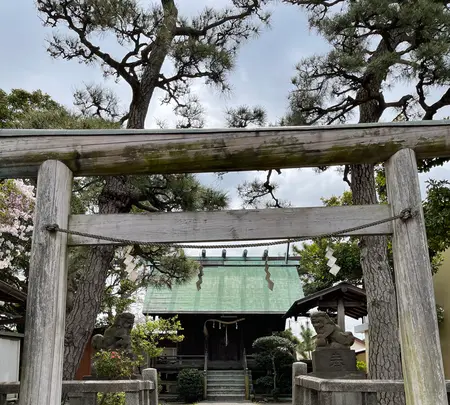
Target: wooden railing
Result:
[[308, 390], [180, 361], [205, 376], [246, 375], [251, 362], [137, 392]]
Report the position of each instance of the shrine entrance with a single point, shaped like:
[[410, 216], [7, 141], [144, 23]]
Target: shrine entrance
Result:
[[56, 156], [224, 342]]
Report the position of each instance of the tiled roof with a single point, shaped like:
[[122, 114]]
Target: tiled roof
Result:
[[328, 298], [231, 285]]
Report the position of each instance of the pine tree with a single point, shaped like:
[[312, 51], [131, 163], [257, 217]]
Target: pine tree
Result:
[[148, 37], [307, 342], [22, 109], [375, 44]]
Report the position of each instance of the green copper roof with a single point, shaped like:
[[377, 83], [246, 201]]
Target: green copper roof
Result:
[[230, 285]]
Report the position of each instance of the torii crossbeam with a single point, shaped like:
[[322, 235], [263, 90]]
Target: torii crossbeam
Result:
[[56, 156]]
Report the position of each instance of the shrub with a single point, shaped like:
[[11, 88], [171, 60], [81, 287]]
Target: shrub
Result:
[[113, 365], [361, 365], [264, 384], [275, 354], [190, 385], [117, 398]]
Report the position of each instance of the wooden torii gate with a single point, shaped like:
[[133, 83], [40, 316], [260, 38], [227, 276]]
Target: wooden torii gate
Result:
[[55, 156]]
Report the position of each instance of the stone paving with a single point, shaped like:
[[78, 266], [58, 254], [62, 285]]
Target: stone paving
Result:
[[227, 403]]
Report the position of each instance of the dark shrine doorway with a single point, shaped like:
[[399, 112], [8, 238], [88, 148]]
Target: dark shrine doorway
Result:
[[224, 342]]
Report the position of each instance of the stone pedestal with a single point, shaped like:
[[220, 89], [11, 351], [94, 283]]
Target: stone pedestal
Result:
[[335, 363], [329, 363]]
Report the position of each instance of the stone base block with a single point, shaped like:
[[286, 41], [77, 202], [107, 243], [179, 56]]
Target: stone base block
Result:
[[334, 361]]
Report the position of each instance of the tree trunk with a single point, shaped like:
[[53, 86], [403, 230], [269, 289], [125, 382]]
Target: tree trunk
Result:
[[274, 376], [81, 319], [161, 47], [384, 352], [116, 197]]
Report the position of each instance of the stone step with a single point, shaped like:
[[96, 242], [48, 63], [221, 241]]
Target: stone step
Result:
[[225, 386], [225, 398], [221, 374], [226, 395], [225, 375], [169, 397], [226, 378], [226, 392], [227, 382], [240, 395]]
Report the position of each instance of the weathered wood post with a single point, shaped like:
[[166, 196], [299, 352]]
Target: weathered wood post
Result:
[[246, 384], [41, 380], [341, 314], [419, 337]]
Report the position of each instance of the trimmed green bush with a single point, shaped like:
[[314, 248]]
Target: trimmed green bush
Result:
[[275, 354], [362, 366], [116, 398], [190, 385]]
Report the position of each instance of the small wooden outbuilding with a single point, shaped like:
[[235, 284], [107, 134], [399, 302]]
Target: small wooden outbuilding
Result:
[[343, 299]]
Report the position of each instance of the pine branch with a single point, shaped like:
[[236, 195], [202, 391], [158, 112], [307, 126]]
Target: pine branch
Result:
[[346, 174], [57, 12], [435, 107], [146, 207], [197, 33], [88, 184], [270, 188]]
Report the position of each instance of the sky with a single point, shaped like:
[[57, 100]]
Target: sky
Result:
[[262, 76]]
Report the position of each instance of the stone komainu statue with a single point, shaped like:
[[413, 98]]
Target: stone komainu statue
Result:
[[117, 336], [328, 334]]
